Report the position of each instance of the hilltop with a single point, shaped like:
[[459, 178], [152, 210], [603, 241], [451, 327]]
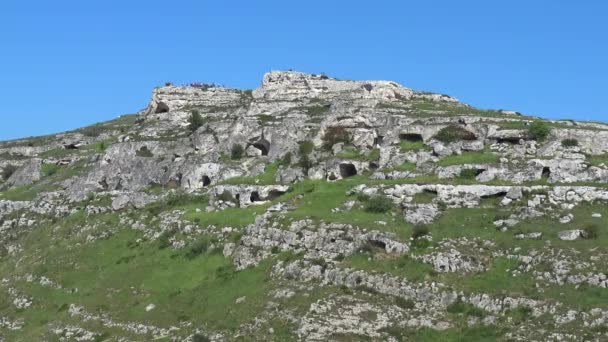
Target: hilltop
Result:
[[310, 208]]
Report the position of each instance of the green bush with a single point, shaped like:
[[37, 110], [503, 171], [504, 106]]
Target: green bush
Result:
[[197, 248], [226, 196], [50, 169], [468, 174], [539, 130], [591, 231], [8, 171], [92, 131], [164, 240], [195, 121], [569, 142], [101, 146], [405, 303], [199, 337], [306, 147], [286, 160], [420, 231], [459, 307], [236, 152], [378, 204], [453, 133], [144, 152]]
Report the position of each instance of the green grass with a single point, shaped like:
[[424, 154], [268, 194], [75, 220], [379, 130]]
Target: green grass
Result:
[[424, 197], [351, 152], [122, 275], [598, 160], [481, 157], [405, 267], [268, 177], [407, 145], [320, 197], [461, 333], [406, 166]]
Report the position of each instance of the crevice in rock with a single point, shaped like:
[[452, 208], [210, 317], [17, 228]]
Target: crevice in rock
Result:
[[206, 180], [373, 165], [546, 174], [70, 147]]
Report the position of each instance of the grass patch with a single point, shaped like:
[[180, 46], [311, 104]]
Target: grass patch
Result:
[[481, 157]]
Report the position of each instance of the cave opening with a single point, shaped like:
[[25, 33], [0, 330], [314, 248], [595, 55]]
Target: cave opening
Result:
[[161, 107], [347, 170], [411, 137], [255, 197], [546, 172], [263, 145]]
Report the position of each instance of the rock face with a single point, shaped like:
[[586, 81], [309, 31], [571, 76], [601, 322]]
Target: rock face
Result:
[[310, 209]]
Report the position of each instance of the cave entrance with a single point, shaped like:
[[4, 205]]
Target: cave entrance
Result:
[[546, 174], [70, 147], [263, 145], [206, 180], [161, 107], [512, 140], [376, 244], [378, 140], [347, 170], [411, 137], [274, 194], [496, 195], [255, 197], [373, 165]]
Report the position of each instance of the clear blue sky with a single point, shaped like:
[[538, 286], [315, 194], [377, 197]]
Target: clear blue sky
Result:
[[65, 64]]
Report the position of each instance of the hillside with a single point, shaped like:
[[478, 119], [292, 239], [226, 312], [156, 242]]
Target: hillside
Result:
[[308, 209]]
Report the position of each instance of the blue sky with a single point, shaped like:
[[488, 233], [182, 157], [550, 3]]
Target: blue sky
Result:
[[66, 64]]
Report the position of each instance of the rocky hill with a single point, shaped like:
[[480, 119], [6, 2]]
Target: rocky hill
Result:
[[309, 209]]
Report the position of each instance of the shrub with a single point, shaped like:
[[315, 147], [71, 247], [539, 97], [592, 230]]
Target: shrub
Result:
[[591, 231], [378, 204], [49, 169], [420, 231], [144, 152], [468, 174], [101, 146], [305, 162], [459, 307], [197, 248], [405, 303], [92, 131], [8, 171], [286, 160], [195, 121], [453, 133], [569, 142], [226, 196], [199, 337], [539, 130], [236, 152], [164, 240], [335, 135], [306, 147]]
